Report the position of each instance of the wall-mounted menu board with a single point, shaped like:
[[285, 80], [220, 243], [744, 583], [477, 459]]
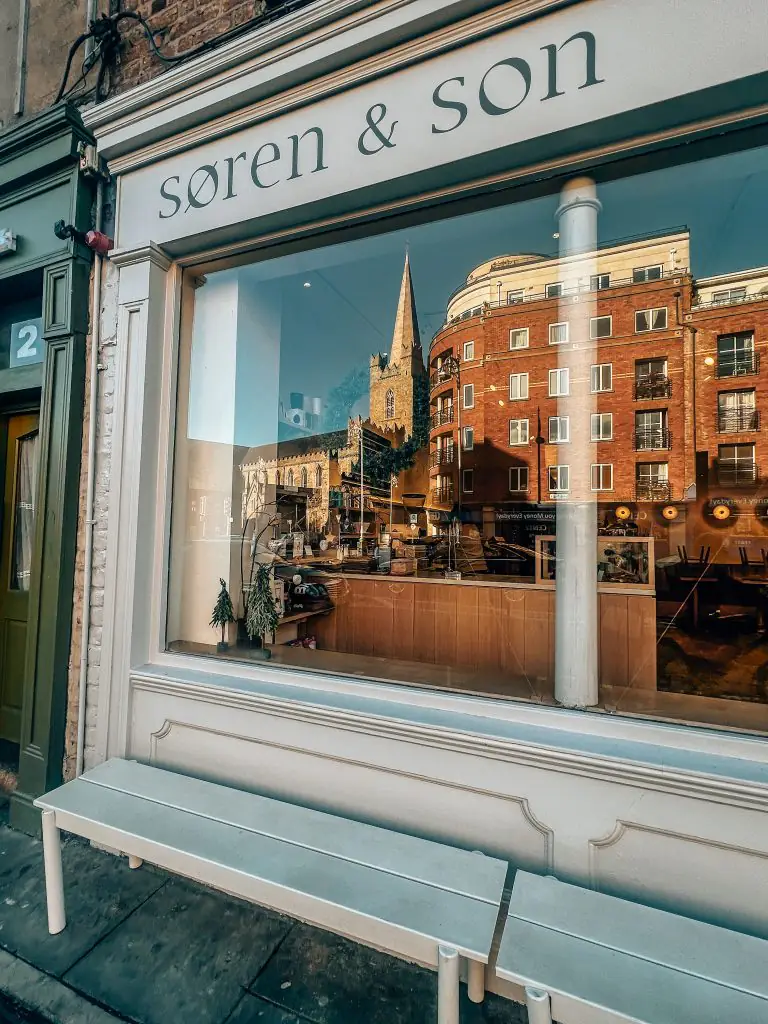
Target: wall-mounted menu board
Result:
[[620, 562]]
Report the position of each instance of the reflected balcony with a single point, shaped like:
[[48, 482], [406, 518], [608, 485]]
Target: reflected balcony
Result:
[[736, 473], [653, 440], [653, 490], [736, 420], [441, 418], [740, 364], [442, 457], [655, 385]]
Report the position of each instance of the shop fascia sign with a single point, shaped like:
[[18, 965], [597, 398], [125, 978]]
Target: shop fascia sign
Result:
[[589, 62]]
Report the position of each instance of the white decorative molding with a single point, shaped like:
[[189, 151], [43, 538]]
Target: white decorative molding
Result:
[[545, 835], [149, 253], [616, 770], [713, 878]]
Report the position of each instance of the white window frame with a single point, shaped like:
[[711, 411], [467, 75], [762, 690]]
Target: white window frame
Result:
[[553, 290], [563, 436], [558, 374], [593, 326], [521, 378], [561, 323], [601, 367], [519, 470], [599, 417], [468, 432], [650, 314], [563, 472], [521, 431], [601, 467], [465, 404], [644, 270], [518, 296], [469, 351], [594, 282], [468, 474], [523, 331]]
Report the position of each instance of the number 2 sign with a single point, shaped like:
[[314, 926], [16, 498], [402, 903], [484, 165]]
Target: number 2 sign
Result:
[[27, 342]]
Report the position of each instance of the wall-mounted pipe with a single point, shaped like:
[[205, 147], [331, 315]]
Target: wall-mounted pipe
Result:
[[21, 59]]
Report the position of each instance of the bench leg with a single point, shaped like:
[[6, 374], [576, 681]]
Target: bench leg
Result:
[[134, 862], [476, 981], [54, 881], [447, 986], [537, 1002]]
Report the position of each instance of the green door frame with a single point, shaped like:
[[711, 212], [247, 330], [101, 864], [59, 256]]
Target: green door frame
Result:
[[40, 171]]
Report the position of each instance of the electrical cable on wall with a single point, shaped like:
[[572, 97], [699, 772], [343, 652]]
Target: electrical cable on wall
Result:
[[106, 36]]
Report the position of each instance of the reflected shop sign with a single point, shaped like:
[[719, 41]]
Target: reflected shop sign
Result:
[[584, 64]]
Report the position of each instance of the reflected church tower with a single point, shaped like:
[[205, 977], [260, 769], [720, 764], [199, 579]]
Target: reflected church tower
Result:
[[393, 387]]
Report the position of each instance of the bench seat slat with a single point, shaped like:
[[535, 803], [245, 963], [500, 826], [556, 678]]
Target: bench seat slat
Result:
[[393, 913], [445, 867], [715, 954], [590, 984]]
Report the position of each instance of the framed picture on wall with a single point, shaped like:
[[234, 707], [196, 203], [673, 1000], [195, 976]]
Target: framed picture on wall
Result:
[[620, 562]]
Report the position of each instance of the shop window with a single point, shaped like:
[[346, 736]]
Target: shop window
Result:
[[602, 477], [559, 382], [518, 386], [650, 320], [602, 377], [518, 479], [642, 274], [558, 334], [425, 506], [602, 426], [559, 479], [518, 432], [600, 327], [559, 429]]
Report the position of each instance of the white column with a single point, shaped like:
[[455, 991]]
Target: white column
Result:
[[54, 882], [537, 1004], [447, 986], [576, 635]]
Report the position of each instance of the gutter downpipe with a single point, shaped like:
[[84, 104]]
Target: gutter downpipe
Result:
[[90, 487], [21, 58]]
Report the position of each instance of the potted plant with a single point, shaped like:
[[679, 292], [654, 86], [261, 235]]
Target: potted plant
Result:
[[261, 617], [223, 614]]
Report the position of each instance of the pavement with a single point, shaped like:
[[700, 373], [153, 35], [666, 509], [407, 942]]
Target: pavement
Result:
[[147, 947]]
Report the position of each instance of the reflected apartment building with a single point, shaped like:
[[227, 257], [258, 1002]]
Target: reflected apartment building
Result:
[[675, 380]]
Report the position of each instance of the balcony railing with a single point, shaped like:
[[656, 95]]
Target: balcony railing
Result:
[[655, 385], [440, 377], [738, 365], [736, 300], [441, 417], [442, 495], [653, 439], [442, 457], [653, 490], [735, 420], [736, 473]]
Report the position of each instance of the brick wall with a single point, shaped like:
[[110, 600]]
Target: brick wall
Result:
[[180, 25]]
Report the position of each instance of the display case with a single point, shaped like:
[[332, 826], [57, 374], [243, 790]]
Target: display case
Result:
[[620, 562]]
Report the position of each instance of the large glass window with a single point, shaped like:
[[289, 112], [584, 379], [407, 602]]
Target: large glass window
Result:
[[391, 470]]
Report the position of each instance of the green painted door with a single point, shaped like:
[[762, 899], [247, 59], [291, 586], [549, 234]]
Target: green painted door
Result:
[[18, 530]]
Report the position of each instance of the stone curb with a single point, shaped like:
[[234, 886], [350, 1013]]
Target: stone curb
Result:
[[38, 992]]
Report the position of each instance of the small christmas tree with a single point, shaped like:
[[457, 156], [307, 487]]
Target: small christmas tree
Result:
[[223, 614], [261, 616]]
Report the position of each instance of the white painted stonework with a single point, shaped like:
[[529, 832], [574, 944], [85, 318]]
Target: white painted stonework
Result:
[[675, 816]]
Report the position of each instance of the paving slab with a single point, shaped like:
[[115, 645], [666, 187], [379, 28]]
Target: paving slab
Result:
[[33, 997], [100, 891], [186, 954], [251, 1010], [330, 980]]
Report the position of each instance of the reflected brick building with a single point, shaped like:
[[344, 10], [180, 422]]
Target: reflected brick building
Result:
[[675, 380]]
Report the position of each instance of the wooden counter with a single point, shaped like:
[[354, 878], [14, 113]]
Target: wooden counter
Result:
[[506, 628]]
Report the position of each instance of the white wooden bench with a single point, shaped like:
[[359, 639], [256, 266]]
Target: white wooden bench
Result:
[[587, 958], [419, 900]]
